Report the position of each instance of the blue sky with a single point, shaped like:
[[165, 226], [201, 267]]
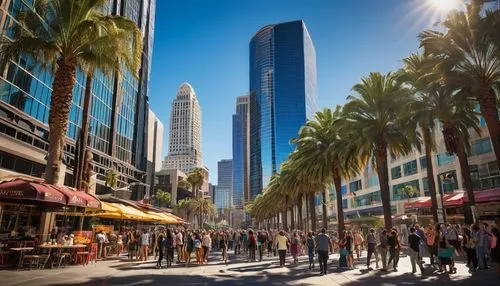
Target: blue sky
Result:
[[206, 43]]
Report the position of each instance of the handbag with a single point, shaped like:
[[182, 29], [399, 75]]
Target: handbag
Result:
[[344, 252]]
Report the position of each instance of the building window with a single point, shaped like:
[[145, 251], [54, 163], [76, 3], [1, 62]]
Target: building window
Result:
[[355, 186], [410, 168], [425, 185], [444, 158], [400, 194], [396, 172], [447, 182], [372, 181], [423, 163], [485, 176], [481, 146]]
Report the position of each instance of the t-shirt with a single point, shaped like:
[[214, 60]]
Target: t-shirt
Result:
[[178, 239], [145, 239], [207, 241], [197, 243], [323, 242], [310, 243], [282, 242], [414, 242], [370, 238], [101, 237]]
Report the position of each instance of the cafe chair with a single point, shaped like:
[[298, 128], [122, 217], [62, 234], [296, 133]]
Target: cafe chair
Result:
[[4, 254], [36, 259], [92, 256], [62, 258]]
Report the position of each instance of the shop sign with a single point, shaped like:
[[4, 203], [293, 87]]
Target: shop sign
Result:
[[11, 193]]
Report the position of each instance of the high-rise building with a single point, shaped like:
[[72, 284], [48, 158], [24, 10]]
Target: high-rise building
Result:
[[155, 143], [184, 149], [240, 152], [225, 173], [282, 96], [118, 113]]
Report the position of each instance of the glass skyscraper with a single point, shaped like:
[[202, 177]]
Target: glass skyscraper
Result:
[[240, 152], [118, 114], [283, 95]]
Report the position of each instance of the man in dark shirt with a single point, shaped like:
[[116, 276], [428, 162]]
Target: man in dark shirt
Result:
[[414, 243], [261, 241]]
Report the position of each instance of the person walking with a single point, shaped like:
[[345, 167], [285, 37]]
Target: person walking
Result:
[[470, 250], [206, 243], [252, 245], [394, 249], [310, 249], [414, 243], [370, 246], [430, 241], [382, 249], [159, 245], [323, 246], [269, 243], [168, 247], [261, 242], [294, 248], [223, 241], [282, 246], [358, 244], [189, 248], [144, 245], [179, 242], [237, 242]]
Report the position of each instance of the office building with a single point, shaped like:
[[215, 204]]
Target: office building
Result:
[[282, 96], [155, 143], [240, 152], [118, 113], [184, 149]]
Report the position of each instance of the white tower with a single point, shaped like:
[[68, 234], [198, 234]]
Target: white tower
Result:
[[184, 146]]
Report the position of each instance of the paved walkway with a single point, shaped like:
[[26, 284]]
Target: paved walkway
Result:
[[238, 272]]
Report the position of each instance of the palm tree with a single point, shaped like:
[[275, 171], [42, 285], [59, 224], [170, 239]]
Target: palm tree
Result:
[[196, 178], [118, 56], [320, 151], [64, 34], [456, 113], [419, 73], [163, 198], [374, 129], [469, 51]]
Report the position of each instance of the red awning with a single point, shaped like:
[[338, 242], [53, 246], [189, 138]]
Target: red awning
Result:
[[457, 199], [487, 196], [77, 198], [454, 199], [25, 190], [422, 202]]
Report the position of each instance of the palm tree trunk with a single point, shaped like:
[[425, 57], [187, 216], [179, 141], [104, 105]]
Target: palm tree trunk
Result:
[[278, 220], [383, 177], [337, 181], [292, 221], [312, 209], [465, 171], [488, 104], [325, 214], [285, 219], [84, 132], [430, 171], [299, 213], [60, 104], [307, 225]]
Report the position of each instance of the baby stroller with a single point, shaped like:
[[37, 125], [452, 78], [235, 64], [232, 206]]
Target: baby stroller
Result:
[[343, 257]]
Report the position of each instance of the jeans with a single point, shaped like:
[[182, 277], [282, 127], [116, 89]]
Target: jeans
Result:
[[471, 257], [394, 257], [311, 258], [261, 252], [169, 255], [371, 249], [414, 259], [323, 261], [481, 257], [432, 252], [205, 252], [237, 249], [251, 250], [282, 254], [160, 257], [230, 245]]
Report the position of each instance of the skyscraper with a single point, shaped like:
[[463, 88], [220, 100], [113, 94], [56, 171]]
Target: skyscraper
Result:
[[223, 190], [184, 145], [118, 114], [155, 143], [282, 95], [240, 152]]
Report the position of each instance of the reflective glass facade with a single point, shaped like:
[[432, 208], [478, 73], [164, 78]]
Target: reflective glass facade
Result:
[[283, 95], [117, 109], [240, 152]]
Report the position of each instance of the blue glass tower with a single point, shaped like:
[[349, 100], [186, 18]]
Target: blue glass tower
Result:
[[283, 94], [240, 152], [118, 113]]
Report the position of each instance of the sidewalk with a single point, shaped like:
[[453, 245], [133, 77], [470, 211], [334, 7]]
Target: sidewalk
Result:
[[239, 272]]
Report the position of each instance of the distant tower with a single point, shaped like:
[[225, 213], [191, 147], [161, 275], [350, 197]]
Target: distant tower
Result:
[[240, 152], [184, 145]]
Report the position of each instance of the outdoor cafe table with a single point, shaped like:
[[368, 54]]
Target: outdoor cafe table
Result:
[[21, 251], [60, 246]]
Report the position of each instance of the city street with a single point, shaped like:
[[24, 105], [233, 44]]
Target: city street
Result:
[[238, 272]]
